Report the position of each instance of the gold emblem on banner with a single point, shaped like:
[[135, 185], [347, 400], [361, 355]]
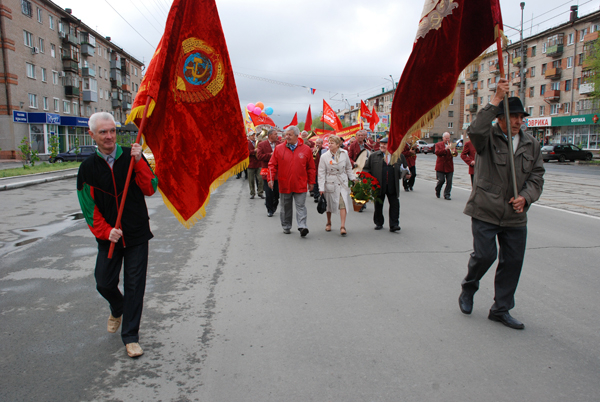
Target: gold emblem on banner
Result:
[[434, 12]]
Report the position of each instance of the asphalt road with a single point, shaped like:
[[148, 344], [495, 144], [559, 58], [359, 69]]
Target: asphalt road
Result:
[[235, 310]]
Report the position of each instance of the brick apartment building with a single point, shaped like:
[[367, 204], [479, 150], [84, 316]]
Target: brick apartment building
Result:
[[55, 72]]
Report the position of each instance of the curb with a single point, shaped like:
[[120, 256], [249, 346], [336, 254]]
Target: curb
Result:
[[13, 186]]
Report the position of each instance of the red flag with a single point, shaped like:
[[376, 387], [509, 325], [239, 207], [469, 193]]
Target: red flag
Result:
[[330, 117], [308, 123], [195, 126], [294, 121], [365, 112], [374, 120], [261, 119], [451, 35]]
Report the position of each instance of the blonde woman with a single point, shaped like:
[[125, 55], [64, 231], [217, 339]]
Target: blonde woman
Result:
[[335, 169]]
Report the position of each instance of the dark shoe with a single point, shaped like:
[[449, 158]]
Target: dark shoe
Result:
[[465, 302], [261, 196], [251, 197], [363, 207], [395, 229], [447, 197], [411, 189], [286, 231], [303, 232], [238, 177], [507, 320], [437, 194], [269, 214], [406, 189], [378, 227]]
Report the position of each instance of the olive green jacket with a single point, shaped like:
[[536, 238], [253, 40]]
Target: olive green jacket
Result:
[[492, 184]]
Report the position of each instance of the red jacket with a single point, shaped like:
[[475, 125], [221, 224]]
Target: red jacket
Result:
[[294, 170], [444, 161], [411, 156], [253, 162], [354, 150], [468, 155], [264, 151]]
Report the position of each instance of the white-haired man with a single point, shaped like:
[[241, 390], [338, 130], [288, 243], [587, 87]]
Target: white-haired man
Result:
[[100, 184]]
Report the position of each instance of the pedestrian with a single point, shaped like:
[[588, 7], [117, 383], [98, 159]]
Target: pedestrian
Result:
[[254, 178], [410, 155], [496, 215], [444, 166], [356, 147], [468, 155], [263, 154], [293, 164], [388, 173], [307, 141], [318, 150], [335, 169], [100, 183]]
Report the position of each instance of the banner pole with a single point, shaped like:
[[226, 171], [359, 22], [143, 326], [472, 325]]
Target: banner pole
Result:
[[122, 205], [511, 153]]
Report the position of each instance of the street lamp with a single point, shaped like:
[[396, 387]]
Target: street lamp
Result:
[[521, 93]]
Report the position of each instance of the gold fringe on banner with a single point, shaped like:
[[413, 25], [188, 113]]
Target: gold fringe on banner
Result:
[[201, 213], [138, 112]]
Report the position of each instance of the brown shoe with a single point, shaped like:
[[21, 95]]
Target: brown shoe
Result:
[[113, 323], [134, 349]]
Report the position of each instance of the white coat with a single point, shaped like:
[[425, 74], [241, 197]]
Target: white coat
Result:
[[333, 179]]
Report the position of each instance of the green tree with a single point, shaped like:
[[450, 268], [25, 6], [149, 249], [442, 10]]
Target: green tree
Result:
[[77, 149], [592, 65], [53, 146], [28, 154]]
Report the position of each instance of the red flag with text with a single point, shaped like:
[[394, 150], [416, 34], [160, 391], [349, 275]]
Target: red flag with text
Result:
[[294, 121], [195, 126], [365, 112], [330, 117], [374, 120], [451, 35], [262, 119], [308, 123]]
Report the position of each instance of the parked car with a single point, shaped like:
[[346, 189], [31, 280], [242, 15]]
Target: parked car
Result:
[[71, 155], [563, 152], [420, 144], [429, 148], [459, 144]]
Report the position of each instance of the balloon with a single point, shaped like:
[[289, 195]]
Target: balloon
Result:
[[263, 114], [269, 111], [260, 105], [250, 107], [257, 111]]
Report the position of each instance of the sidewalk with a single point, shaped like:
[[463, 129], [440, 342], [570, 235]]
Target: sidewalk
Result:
[[10, 183]]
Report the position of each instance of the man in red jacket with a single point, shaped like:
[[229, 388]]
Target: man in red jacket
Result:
[[292, 163], [264, 150], [254, 179], [411, 161], [468, 155], [444, 166]]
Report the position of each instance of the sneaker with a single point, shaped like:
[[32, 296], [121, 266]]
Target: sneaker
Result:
[[113, 323], [286, 231]]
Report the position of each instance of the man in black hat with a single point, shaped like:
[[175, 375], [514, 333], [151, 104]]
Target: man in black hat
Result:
[[495, 212]]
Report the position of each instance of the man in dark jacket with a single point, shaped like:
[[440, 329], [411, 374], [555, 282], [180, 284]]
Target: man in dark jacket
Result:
[[100, 183], [264, 150], [495, 212], [444, 166], [254, 178], [380, 165]]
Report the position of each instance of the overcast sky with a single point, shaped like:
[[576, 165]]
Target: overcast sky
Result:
[[345, 49]]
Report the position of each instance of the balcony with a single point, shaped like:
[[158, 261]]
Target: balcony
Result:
[[553, 73], [517, 81], [70, 65], [586, 89], [495, 69], [472, 108], [554, 51], [552, 96], [472, 92], [71, 91], [517, 61], [590, 37], [88, 50], [126, 105], [88, 72], [587, 63], [492, 86], [115, 64], [474, 76], [69, 38], [126, 88], [90, 96]]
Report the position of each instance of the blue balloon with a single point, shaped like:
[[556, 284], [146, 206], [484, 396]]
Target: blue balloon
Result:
[[269, 110]]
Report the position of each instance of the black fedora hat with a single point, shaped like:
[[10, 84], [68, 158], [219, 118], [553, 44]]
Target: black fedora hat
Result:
[[514, 106]]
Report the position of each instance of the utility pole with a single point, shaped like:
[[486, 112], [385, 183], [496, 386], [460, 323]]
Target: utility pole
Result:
[[521, 89]]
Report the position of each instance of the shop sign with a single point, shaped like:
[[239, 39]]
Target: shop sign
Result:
[[579, 120], [74, 121], [539, 122], [19, 117]]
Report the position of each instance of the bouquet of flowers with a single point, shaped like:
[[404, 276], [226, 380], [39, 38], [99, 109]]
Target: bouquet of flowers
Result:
[[366, 188]]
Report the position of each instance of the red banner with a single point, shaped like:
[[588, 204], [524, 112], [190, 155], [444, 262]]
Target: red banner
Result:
[[365, 112], [195, 127], [330, 117], [308, 123], [374, 120], [262, 119], [294, 121]]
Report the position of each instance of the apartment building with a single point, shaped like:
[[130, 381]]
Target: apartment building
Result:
[[553, 73], [55, 72]]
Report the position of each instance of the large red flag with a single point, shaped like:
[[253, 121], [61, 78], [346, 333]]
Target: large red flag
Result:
[[294, 121], [364, 111], [195, 126], [451, 35], [374, 120], [330, 117], [261, 119], [308, 123]]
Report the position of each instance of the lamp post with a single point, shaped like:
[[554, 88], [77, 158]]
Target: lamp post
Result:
[[521, 89]]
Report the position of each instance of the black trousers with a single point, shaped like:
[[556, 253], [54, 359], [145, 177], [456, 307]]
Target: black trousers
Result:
[[408, 184], [394, 212], [441, 178], [316, 193], [271, 196], [510, 261], [135, 262]]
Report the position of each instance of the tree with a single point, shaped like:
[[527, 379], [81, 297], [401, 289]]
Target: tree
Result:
[[28, 154], [592, 65]]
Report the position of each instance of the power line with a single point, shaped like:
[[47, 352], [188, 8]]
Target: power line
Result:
[[141, 36], [142, 14]]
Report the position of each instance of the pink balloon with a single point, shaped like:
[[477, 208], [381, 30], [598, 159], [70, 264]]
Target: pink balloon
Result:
[[257, 111], [250, 107]]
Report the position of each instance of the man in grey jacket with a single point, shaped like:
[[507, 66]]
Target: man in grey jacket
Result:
[[495, 212]]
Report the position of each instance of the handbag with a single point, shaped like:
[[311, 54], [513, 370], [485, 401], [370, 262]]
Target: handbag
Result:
[[322, 204]]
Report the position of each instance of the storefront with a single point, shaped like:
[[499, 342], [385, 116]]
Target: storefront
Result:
[[581, 130]]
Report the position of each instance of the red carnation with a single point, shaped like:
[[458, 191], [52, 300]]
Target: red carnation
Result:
[[365, 181]]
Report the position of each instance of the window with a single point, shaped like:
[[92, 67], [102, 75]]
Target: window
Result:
[[489, 82], [582, 34], [544, 66], [100, 72], [530, 110], [481, 101], [45, 103], [44, 75], [570, 39], [556, 63], [542, 110], [531, 92], [570, 62], [51, 22], [41, 45], [30, 70], [512, 93], [56, 103], [55, 77], [26, 7], [101, 94], [39, 14], [533, 50], [66, 107], [52, 50], [532, 71], [452, 101], [75, 108], [542, 89], [106, 94], [28, 38], [578, 83], [450, 113], [567, 85], [567, 107], [554, 108], [450, 124], [544, 45], [33, 101], [555, 86], [505, 59]]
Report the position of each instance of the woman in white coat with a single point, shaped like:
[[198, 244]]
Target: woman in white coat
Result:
[[335, 169]]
